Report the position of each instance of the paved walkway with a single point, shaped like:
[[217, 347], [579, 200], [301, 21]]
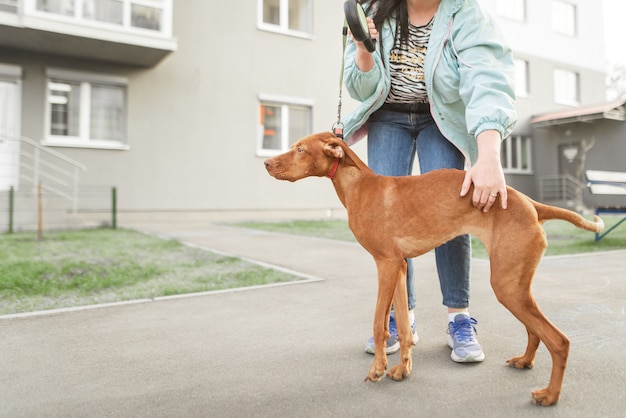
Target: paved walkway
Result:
[[297, 350]]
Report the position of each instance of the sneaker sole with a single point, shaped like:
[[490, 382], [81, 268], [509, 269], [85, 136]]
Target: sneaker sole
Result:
[[467, 359]]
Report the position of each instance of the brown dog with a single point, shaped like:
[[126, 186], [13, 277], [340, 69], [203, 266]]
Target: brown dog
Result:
[[395, 218]]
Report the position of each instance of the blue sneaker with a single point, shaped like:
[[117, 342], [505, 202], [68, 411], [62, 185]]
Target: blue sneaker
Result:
[[462, 340], [393, 345]]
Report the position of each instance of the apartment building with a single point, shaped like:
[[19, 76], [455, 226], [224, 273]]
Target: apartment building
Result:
[[177, 103], [565, 125]]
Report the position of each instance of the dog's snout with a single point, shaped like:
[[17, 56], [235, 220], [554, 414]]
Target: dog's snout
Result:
[[272, 166]]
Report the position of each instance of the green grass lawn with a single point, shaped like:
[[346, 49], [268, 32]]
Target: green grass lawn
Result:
[[104, 265], [85, 267], [563, 237]]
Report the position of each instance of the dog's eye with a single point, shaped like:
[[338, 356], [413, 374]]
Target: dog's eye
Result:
[[300, 149]]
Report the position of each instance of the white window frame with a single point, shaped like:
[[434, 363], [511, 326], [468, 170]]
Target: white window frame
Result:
[[284, 103], [164, 31], [83, 139], [510, 166], [512, 9], [566, 87], [10, 138], [564, 18], [522, 79], [283, 26]]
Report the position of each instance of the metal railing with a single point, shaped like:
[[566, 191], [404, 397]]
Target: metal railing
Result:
[[21, 211], [57, 173], [9, 3], [561, 188]]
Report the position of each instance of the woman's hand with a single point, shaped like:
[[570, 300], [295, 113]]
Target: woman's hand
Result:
[[373, 35], [363, 58], [487, 174]]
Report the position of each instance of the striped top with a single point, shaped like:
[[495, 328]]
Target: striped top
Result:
[[406, 63]]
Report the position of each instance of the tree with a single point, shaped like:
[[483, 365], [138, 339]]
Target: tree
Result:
[[616, 80]]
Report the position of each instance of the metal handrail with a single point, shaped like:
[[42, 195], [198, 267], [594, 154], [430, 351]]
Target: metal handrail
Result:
[[54, 153], [58, 173], [562, 187]]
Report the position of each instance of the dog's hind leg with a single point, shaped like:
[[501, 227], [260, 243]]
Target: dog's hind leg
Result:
[[540, 328], [390, 272], [526, 361], [511, 279]]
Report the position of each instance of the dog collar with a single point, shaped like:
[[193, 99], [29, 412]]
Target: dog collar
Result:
[[333, 169]]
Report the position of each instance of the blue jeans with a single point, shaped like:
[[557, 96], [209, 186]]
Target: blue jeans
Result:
[[392, 142]]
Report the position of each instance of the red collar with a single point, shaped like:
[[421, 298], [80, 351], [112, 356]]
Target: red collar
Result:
[[333, 169]]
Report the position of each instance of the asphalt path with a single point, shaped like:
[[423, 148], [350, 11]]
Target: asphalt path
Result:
[[296, 350]]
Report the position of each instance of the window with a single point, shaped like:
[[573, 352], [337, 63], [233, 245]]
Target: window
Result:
[[282, 123], [521, 78], [86, 110], [10, 129], [564, 18], [566, 87], [8, 6], [516, 155], [512, 9], [111, 11], [150, 15], [294, 17]]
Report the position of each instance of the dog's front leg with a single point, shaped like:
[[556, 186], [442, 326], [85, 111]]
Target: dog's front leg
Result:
[[387, 279], [403, 368]]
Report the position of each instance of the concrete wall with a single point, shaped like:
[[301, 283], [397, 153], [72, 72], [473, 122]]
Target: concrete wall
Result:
[[535, 37], [193, 119]]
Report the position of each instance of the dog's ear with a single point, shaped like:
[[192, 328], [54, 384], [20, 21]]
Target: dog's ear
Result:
[[333, 149]]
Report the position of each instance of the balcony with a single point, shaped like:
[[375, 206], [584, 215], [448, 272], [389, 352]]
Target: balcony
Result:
[[133, 32]]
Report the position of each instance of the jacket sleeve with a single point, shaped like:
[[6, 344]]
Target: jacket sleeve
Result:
[[361, 85], [486, 73]]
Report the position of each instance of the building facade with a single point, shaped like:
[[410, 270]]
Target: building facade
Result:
[[178, 103]]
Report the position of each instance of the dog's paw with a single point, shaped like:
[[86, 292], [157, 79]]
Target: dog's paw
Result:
[[377, 371], [520, 362], [544, 397], [374, 377], [402, 369], [399, 372]]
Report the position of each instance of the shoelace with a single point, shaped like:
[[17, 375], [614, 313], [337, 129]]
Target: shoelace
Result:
[[462, 330]]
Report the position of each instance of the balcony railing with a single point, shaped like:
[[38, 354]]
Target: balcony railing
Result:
[[9, 6], [147, 16], [136, 32]]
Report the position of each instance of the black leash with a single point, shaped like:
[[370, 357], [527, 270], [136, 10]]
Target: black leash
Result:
[[356, 19]]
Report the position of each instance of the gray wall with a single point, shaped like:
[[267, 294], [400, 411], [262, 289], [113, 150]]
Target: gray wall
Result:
[[539, 101], [193, 119]]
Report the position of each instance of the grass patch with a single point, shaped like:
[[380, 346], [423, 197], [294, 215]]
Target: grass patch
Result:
[[328, 229], [563, 237], [84, 267]]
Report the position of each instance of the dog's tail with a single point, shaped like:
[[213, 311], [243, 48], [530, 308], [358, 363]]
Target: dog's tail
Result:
[[547, 212]]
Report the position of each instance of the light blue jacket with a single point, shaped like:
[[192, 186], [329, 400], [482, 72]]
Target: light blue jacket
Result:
[[469, 74]]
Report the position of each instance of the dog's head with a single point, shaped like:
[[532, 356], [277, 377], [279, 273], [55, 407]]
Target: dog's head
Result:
[[313, 155]]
